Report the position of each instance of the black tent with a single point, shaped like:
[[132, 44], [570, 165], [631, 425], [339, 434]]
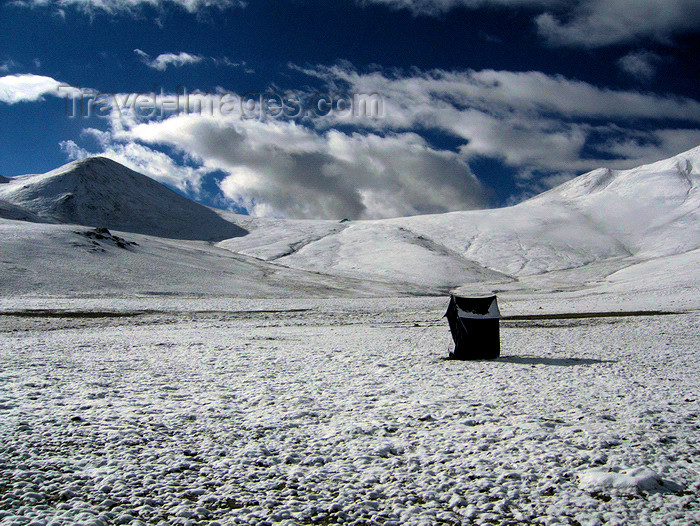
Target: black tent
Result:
[[475, 327]]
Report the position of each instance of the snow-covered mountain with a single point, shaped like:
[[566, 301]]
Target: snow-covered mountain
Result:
[[102, 193], [604, 219], [583, 232], [11, 211], [653, 210]]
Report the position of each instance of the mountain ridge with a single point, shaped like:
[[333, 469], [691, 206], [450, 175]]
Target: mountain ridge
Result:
[[577, 233], [604, 215]]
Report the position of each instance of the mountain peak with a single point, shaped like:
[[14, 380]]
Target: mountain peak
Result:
[[96, 161], [100, 192], [676, 174]]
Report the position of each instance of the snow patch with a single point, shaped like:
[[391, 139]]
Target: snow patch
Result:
[[640, 479]]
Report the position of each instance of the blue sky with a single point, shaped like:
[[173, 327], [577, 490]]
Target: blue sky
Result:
[[359, 108]]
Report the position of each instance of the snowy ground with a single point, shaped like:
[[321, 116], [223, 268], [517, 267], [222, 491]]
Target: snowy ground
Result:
[[342, 411]]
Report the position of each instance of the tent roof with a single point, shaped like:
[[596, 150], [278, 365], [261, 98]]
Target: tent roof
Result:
[[483, 307]]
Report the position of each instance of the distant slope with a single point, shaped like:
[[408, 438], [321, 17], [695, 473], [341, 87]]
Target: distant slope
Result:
[[653, 210], [603, 229], [616, 217], [100, 192], [49, 260], [11, 211]]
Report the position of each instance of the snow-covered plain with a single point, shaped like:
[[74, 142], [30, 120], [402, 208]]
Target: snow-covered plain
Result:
[[343, 411], [165, 372]]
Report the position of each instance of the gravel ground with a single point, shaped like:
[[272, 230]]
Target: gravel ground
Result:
[[347, 414]]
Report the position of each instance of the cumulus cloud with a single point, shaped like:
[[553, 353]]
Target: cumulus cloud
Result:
[[545, 127], [529, 120], [29, 88], [597, 23], [128, 6], [141, 158], [162, 61], [344, 164], [640, 64], [286, 169]]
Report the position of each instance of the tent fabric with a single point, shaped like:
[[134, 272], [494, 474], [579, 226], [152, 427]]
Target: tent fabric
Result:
[[474, 324], [481, 307]]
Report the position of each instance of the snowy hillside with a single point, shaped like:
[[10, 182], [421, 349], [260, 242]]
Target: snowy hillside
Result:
[[102, 193], [67, 260], [581, 233], [653, 210], [10, 211], [604, 216]]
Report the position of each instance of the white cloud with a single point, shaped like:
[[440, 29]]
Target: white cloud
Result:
[[29, 88], [581, 23], [225, 61], [531, 121], [640, 64], [7, 65], [342, 165], [285, 169], [538, 124], [178, 60], [143, 159], [162, 61], [128, 6], [597, 23], [423, 96], [648, 147]]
